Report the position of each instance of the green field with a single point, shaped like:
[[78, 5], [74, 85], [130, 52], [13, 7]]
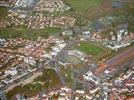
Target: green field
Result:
[[26, 33], [89, 48], [81, 6]]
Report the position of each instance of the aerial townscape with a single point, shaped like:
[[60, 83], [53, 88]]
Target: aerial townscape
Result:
[[66, 49]]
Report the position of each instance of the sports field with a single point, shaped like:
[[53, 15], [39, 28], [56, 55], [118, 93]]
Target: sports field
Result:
[[96, 50], [89, 48]]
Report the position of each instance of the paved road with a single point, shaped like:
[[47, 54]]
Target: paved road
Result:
[[55, 61]]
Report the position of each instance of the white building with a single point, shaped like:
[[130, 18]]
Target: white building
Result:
[[30, 60], [90, 77], [86, 34], [2, 41], [12, 72], [67, 33]]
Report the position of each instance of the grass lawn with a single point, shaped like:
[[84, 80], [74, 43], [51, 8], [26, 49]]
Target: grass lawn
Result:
[[89, 48], [26, 33], [81, 5]]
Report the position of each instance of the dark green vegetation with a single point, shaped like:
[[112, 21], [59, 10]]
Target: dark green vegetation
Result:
[[49, 48], [26, 33], [129, 9], [48, 80], [3, 12], [29, 90]]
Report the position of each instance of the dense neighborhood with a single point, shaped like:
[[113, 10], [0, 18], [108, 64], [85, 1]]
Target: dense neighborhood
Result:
[[66, 50]]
